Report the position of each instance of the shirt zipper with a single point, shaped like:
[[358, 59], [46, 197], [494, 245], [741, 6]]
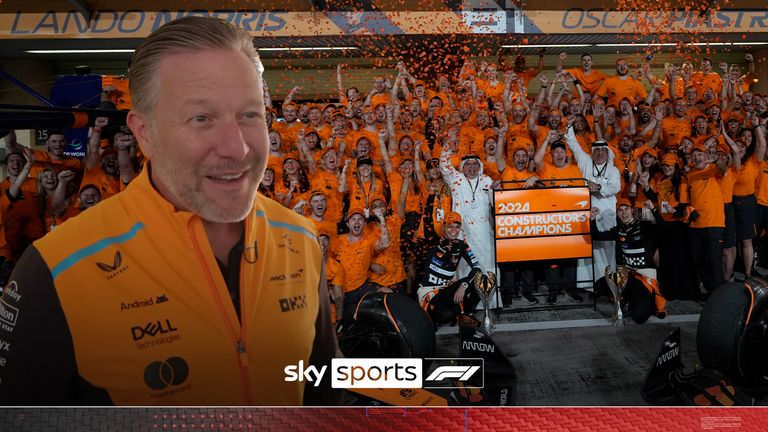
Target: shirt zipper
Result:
[[236, 339]]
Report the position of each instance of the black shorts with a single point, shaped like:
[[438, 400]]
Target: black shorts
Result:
[[762, 219], [745, 208], [729, 236]]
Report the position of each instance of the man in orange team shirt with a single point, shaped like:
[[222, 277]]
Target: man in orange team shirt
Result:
[[355, 251], [621, 86], [590, 79]]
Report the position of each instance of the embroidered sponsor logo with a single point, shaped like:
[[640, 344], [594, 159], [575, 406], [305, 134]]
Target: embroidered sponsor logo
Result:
[[293, 303], [5, 346], [8, 315], [287, 276], [12, 292], [116, 268], [152, 329], [137, 304], [172, 371], [287, 243]]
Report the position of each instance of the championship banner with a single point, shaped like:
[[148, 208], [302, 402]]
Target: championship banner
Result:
[[578, 20], [136, 23], [542, 224]]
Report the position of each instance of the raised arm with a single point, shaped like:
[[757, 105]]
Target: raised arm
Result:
[[498, 156], [560, 59], [383, 241], [92, 157], [759, 128], [598, 109], [12, 144], [540, 65], [292, 94], [538, 159], [125, 144], [417, 163], [339, 83], [59, 201], [383, 138], [403, 197], [446, 168], [653, 142], [573, 144], [267, 97], [29, 155]]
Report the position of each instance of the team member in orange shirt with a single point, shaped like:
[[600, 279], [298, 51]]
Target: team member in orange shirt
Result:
[[562, 274], [621, 86], [54, 158], [590, 79], [675, 127], [379, 93], [18, 204], [317, 211], [677, 279], [553, 173], [747, 167], [355, 251], [387, 268], [706, 230], [362, 184], [293, 189], [727, 180], [289, 127], [517, 131], [326, 179]]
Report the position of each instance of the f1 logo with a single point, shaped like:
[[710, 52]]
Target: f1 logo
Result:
[[462, 373], [454, 373]]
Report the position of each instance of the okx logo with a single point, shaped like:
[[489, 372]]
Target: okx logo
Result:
[[454, 373], [170, 372]]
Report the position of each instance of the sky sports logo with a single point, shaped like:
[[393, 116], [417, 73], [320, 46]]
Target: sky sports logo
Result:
[[426, 373]]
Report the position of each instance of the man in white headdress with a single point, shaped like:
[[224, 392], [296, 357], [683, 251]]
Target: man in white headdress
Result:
[[604, 182], [472, 195]]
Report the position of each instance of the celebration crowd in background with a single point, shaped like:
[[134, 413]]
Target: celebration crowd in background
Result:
[[395, 175]]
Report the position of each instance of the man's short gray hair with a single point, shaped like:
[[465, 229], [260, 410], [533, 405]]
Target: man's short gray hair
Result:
[[186, 35]]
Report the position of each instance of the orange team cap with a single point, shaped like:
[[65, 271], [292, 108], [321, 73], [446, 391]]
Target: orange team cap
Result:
[[645, 149], [723, 148], [623, 202], [669, 159], [378, 197], [327, 149], [699, 147], [356, 210], [324, 231], [519, 146], [452, 217], [367, 109], [289, 156]]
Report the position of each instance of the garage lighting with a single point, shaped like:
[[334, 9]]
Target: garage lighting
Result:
[[83, 51]]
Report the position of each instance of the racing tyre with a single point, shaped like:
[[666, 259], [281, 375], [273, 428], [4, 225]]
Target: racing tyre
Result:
[[720, 329]]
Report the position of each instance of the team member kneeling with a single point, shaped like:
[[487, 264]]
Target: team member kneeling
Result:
[[442, 298]]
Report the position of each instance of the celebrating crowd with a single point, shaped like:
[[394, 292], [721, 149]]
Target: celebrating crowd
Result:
[[399, 178]]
